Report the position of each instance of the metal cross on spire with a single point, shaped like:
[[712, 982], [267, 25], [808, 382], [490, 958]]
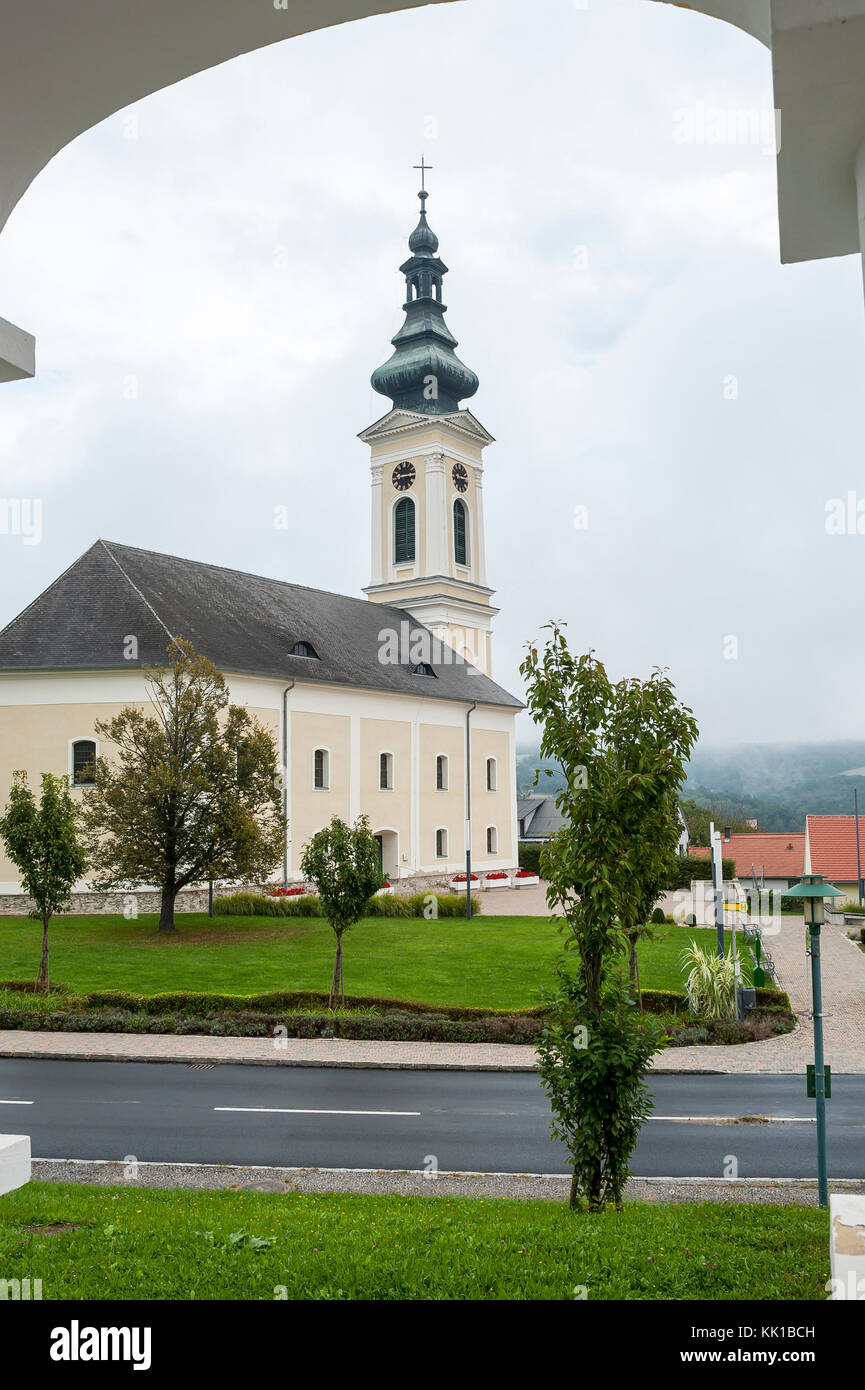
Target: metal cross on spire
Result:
[[424, 169]]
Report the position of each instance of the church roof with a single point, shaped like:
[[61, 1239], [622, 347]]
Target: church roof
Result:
[[244, 623]]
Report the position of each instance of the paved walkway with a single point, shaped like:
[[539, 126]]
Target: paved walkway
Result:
[[290, 1052]]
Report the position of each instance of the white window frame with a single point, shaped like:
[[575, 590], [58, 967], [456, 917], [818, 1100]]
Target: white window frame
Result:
[[326, 768], [494, 764], [441, 830], [494, 848], [391, 770], [446, 772]]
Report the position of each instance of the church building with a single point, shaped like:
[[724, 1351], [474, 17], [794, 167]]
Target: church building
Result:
[[378, 705]]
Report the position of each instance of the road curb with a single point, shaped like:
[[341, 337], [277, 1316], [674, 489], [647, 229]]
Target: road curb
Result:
[[186, 1058]]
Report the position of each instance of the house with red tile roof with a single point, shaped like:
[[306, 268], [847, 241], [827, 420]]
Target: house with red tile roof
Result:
[[830, 849], [762, 859]]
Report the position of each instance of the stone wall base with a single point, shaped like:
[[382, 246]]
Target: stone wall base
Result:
[[144, 902]]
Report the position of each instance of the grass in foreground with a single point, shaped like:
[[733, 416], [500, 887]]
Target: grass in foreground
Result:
[[140, 1243], [496, 962]]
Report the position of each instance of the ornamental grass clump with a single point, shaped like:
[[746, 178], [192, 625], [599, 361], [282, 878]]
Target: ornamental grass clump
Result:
[[711, 983]]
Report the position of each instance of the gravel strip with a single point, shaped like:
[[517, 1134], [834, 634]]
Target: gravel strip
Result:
[[388, 1182]]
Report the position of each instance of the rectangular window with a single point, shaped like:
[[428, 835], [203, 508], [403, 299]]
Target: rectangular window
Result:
[[321, 775], [441, 844], [441, 773], [385, 772], [492, 840], [491, 774]]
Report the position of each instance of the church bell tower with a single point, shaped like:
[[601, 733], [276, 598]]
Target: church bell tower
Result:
[[427, 469]]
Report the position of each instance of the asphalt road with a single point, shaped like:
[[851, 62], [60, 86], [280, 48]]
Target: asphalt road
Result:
[[371, 1118]]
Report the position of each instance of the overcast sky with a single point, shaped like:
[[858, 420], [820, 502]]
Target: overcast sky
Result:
[[211, 276]]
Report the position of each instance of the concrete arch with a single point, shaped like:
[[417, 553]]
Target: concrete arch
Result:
[[64, 68]]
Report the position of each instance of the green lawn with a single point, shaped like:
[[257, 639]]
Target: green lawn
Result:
[[499, 962], [145, 1244]]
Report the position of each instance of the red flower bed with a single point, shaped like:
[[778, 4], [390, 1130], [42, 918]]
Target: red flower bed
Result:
[[499, 873], [461, 878], [285, 892], [524, 873]]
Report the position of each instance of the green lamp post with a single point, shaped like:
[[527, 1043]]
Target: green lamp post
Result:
[[813, 890]]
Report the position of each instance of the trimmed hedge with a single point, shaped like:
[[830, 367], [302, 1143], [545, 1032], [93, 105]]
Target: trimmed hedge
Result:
[[529, 855], [685, 867], [307, 905]]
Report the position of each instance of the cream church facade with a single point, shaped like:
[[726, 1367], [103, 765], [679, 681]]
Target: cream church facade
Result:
[[378, 705]]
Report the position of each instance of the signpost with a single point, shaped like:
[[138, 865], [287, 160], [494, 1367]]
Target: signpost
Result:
[[717, 883]]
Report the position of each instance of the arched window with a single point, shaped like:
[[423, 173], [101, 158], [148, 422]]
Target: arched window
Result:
[[304, 649], [385, 772], [461, 553], [492, 840], [321, 770], [492, 775], [83, 758], [441, 773], [403, 531], [441, 844]]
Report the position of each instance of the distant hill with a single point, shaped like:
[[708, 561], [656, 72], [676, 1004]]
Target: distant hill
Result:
[[776, 783]]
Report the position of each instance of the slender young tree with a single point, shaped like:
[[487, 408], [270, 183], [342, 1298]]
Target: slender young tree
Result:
[[191, 791], [622, 748], [42, 841], [342, 862]]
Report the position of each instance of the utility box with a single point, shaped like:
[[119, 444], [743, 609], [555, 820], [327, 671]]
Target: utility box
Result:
[[749, 998]]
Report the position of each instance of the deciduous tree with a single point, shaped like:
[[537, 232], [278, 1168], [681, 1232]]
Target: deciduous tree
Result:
[[622, 748], [191, 791], [342, 862], [42, 841]]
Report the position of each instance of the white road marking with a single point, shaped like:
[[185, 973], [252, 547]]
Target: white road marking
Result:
[[17, 1102], [277, 1110]]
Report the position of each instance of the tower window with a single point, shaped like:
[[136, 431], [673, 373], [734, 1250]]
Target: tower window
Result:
[[403, 531], [492, 775], [385, 772], [321, 770], [441, 844], [441, 773], [492, 840], [460, 529], [304, 649], [83, 758]]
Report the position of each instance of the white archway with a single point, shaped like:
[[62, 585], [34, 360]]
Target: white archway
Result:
[[63, 69]]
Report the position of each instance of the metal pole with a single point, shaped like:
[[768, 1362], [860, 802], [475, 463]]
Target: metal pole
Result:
[[469, 811], [717, 883], [210, 897], [819, 1075], [858, 855]]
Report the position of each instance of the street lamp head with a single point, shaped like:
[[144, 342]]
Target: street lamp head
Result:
[[814, 890]]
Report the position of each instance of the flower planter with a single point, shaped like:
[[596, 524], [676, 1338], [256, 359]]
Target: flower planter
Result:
[[458, 882], [526, 880], [497, 882], [383, 892]]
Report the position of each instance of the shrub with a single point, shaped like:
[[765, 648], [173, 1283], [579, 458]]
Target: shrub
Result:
[[397, 905], [658, 917], [686, 867], [711, 983], [530, 857]]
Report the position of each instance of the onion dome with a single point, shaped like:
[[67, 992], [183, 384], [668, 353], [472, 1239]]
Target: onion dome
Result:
[[424, 373]]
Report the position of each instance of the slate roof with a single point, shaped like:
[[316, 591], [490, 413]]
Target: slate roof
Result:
[[776, 855], [832, 845], [244, 623], [538, 817]]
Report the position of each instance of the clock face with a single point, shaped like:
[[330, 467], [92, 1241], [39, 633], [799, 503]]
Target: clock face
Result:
[[460, 477], [403, 476]]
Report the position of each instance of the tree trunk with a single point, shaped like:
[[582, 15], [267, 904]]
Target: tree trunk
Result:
[[42, 979], [166, 908], [337, 989], [572, 1199]]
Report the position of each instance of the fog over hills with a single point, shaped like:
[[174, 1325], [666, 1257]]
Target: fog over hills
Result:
[[776, 783]]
